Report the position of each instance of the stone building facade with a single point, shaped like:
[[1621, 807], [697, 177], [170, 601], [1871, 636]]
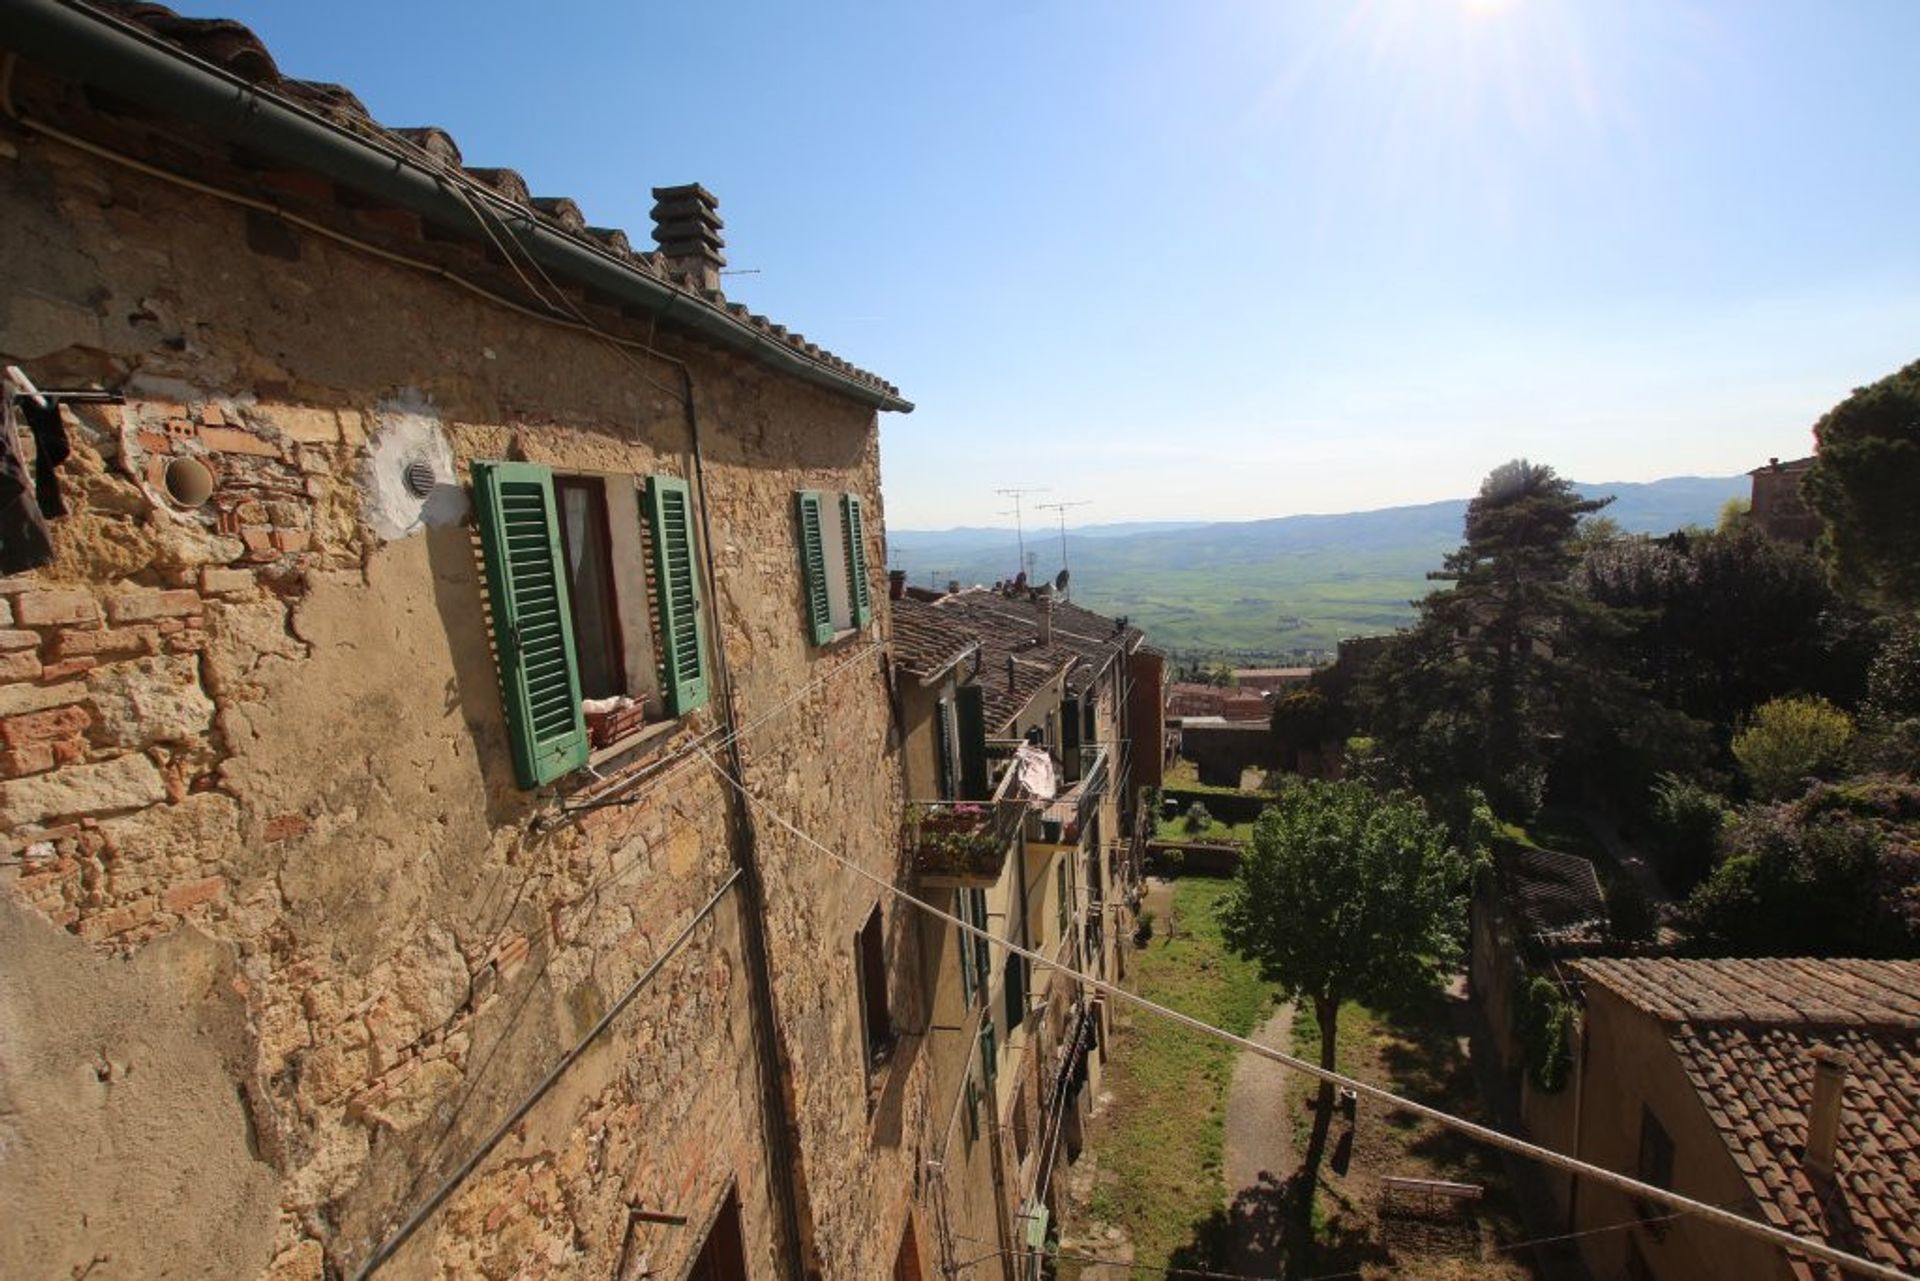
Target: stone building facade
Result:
[[1017, 1049], [335, 937]]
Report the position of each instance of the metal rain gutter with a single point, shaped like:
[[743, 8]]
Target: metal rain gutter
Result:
[[101, 50]]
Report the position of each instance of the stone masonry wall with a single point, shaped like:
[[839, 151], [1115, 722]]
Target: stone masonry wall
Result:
[[284, 938]]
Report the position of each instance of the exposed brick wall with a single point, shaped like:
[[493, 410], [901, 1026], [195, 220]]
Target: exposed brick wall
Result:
[[262, 728]]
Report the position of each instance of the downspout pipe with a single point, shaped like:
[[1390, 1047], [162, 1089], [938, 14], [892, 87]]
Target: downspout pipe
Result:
[[102, 50]]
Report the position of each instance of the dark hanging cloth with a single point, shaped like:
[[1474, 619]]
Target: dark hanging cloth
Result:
[[50, 449], [24, 543]]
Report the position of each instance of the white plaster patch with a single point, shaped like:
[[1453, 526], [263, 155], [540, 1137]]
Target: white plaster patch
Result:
[[408, 431]]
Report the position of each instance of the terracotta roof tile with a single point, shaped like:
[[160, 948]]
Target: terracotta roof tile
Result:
[[1013, 664], [1744, 1032], [235, 49]]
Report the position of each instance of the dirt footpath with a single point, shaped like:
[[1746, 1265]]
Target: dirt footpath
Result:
[[1259, 1150]]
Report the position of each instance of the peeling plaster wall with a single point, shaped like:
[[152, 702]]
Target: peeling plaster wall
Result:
[[254, 770]]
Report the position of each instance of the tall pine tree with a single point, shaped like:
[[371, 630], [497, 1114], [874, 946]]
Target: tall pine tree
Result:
[[1513, 665]]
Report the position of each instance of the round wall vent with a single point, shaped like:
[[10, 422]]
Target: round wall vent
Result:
[[420, 479]]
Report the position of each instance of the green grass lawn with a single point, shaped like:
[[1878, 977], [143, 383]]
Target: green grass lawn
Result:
[[1161, 1141], [1175, 829]]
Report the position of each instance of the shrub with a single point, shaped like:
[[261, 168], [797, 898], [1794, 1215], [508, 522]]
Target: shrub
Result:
[[1143, 927], [1543, 1018], [1789, 740], [1630, 913], [1835, 874], [1198, 819], [1687, 822]]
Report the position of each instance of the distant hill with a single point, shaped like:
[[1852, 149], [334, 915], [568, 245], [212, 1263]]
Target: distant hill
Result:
[[1263, 589]]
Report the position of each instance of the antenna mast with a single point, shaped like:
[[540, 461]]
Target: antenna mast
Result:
[[1061, 508], [1019, 528]]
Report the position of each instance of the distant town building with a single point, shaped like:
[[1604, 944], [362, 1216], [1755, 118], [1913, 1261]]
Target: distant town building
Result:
[[1778, 509], [1272, 680]]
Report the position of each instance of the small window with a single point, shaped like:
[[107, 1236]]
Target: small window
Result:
[[1656, 1167], [870, 970], [1016, 980], [593, 593], [587, 545], [1656, 1151], [832, 535], [723, 1257]]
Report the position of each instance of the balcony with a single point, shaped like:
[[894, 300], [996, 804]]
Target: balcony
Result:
[[1057, 824], [961, 844]]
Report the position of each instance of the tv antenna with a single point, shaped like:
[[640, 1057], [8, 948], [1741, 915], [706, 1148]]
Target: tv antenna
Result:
[[1061, 509], [1019, 528]]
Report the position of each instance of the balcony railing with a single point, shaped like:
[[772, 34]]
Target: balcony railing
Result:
[[1062, 820], [962, 843]]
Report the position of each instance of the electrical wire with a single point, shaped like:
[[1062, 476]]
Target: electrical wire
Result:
[[1205, 1274], [1471, 1129], [399, 1237]]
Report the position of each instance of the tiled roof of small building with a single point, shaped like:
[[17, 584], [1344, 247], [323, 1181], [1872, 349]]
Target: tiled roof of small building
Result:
[[233, 47], [929, 632], [1553, 893], [1744, 1032]]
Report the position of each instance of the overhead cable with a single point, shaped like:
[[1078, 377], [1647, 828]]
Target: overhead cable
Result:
[[1807, 1246], [447, 1187]]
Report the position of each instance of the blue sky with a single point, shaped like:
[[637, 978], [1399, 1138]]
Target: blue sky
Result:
[[1237, 259]]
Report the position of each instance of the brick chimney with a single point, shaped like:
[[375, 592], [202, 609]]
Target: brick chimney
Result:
[[686, 226], [1830, 1068]]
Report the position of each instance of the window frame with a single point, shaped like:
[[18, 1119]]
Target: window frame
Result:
[[878, 1037], [513, 501], [836, 574], [600, 531]]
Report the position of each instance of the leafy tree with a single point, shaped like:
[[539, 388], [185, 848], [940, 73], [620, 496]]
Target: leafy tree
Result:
[[1736, 515], [1889, 738], [1835, 873], [1510, 666], [1688, 819], [1790, 740], [1893, 679], [1719, 622], [1346, 894], [1865, 475], [1302, 721]]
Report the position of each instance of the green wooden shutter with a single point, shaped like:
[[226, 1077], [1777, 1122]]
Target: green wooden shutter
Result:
[[972, 708], [683, 662], [943, 748], [962, 900], [973, 1109], [1070, 735], [982, 950], [813, 565], [532, 620], [853, 527], [989, 1050], [1065, 892]]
